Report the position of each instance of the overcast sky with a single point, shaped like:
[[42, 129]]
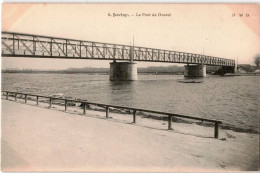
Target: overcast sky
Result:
[[216, 30]]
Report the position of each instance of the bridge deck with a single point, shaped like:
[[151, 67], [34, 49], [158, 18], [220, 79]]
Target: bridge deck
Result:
[[27, 45]]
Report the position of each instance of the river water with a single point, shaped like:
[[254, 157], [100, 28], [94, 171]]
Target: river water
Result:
[[233, 100]]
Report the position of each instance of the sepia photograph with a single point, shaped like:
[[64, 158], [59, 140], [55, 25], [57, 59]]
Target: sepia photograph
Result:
[[130, 87]]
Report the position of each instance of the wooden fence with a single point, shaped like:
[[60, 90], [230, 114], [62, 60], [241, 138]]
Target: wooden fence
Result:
[[107, 106]]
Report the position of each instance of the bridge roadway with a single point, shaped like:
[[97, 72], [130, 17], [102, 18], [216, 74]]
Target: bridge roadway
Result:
[[28, 45]]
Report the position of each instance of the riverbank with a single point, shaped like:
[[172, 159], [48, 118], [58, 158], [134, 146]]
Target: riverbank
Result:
[[40, 139]]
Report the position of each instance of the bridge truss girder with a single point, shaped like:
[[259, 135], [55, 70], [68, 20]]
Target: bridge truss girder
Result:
[[27, 45]]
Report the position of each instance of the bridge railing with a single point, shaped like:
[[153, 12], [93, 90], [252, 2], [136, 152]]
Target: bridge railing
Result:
[[28, 45], [158, 55], [108, 106]]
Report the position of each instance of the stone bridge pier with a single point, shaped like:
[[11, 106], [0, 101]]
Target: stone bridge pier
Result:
[[123, 71], [195, 71]]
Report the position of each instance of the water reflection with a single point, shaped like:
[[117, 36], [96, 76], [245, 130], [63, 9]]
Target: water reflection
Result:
[[195, 78], [191, 80], [119, 85], [126, 88]]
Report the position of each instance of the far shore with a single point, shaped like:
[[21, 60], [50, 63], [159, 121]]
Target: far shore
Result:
[[93, 73], [107, 73]]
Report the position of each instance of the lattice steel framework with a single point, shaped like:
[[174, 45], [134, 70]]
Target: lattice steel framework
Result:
[[27, 45]]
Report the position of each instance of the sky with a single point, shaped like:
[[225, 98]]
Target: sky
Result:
[[213, 29]]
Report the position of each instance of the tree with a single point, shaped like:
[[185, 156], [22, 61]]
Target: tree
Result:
[[257, 60]]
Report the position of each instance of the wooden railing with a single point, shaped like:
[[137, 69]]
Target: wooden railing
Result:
[[107, 106]]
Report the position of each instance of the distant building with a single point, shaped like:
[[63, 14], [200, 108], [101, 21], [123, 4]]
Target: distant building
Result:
[[245, 68]]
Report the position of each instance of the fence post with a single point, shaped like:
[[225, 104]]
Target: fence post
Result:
[[66, 104], [107, 112], [37, 100], [170, 122], [50, 102], [7, 95], [84, 108], [216, 130], [25, 98], [15, 95], [134, 116]]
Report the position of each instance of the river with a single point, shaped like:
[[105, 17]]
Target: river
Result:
[[233, 100]]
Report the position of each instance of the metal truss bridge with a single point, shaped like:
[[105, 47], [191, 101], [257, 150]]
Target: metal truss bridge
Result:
[[28, 45]]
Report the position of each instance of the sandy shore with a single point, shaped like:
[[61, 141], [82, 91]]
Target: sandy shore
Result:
[[41, 139]]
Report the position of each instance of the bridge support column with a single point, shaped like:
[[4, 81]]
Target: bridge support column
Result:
[[195, 71], [123, 71]]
